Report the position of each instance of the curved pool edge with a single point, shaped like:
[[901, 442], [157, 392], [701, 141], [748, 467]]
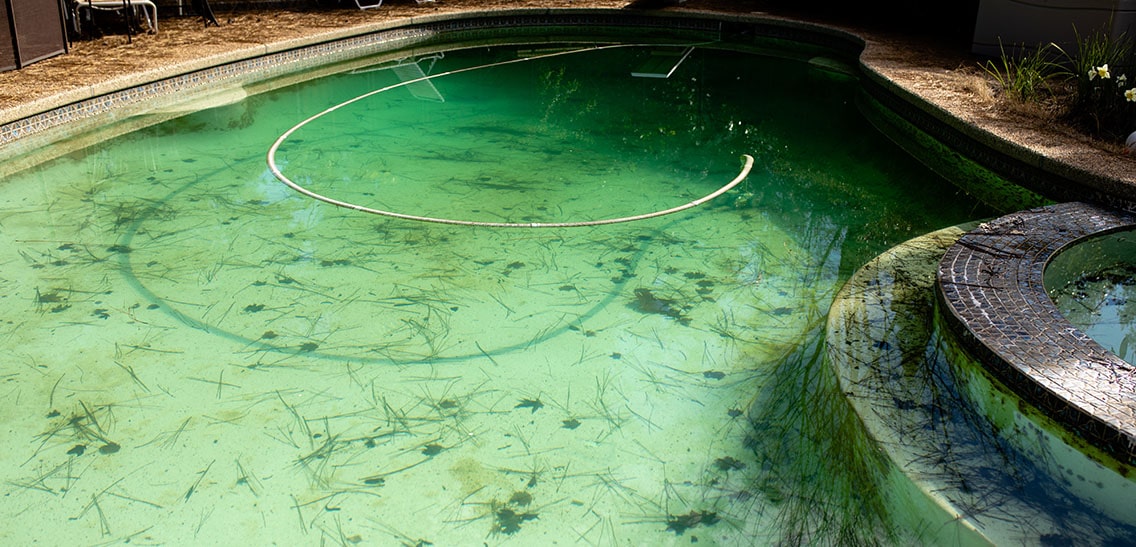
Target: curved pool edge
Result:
[[353, 31], [45, 122], [954, 437], [1044, 169], [1034, 350], [866, 322]]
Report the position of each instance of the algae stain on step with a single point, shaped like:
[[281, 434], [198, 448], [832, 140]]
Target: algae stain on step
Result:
[[471, 474]]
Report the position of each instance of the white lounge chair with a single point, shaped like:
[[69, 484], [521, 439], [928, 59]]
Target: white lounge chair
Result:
[[364, 5]]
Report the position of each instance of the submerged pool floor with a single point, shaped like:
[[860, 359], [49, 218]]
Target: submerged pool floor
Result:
[[195, 353]]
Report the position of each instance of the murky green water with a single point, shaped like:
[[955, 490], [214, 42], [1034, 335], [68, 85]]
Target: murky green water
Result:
[[195, 353], [1094, 286]]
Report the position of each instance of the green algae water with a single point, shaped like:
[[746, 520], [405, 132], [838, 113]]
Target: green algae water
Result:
[[1093, 283], [195, 353]]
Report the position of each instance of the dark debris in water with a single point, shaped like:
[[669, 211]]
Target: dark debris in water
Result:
[[520, 498], [533, 404], [679, 524], [647, 302], [507, 521], [728, 463], [50, 297]]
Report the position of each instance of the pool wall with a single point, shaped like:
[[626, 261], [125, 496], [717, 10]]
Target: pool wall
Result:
[[1030, 346]]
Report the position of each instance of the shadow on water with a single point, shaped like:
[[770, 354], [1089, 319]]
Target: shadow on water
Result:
[[819, 468]]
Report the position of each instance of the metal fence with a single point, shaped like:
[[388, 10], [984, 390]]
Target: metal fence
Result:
[[31, 30]]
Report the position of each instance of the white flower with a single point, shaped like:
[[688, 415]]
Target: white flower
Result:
[[1130, 95], [1121, 80], [1101, 71]]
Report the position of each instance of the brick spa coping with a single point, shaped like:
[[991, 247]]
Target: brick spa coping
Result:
[[991, 289]]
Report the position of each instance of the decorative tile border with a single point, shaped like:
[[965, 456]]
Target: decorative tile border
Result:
[[991, 286]]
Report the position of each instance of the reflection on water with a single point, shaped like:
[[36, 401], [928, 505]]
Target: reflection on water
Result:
[[1094, 286]]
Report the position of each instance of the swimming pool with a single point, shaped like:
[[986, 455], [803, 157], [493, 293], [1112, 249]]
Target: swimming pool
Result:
[[193, 335]]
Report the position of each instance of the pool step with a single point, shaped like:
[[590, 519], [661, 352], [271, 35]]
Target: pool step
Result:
[[418, 86], [960, 478], [662, 63]]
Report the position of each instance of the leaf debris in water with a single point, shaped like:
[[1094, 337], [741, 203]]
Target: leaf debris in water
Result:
[[679, 524], [507, 521], [646, 302], [533, 404]]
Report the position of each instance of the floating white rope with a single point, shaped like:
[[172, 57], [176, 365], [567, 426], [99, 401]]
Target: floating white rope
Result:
[[355, 207]]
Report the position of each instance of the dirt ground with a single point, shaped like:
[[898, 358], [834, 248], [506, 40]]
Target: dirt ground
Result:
[[939, 70]]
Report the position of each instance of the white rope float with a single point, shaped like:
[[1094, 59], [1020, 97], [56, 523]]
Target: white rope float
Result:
[[437, 220]]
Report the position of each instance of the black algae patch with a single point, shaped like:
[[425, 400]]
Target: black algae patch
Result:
[[679, 524], [646, 302], [533, 404], [507, 521]]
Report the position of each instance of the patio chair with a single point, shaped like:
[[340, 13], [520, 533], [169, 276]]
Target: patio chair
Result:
[[201, 7], [130, 8], [365, 5]]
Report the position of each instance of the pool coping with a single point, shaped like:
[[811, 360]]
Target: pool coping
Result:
[[1035, 350]]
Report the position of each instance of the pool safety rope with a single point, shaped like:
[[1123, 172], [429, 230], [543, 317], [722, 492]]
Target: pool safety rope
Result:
[[280, 176]]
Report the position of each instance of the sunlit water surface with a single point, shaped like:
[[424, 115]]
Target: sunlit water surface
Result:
[[194, 352], [1094, 286]]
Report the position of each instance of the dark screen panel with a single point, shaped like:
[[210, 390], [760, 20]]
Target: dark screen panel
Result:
[[39, 30], [7, 50]]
